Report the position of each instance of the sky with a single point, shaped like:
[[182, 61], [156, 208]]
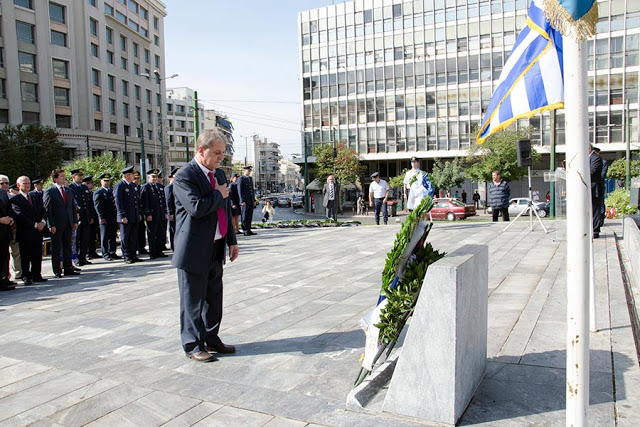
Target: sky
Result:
[[242, 57]]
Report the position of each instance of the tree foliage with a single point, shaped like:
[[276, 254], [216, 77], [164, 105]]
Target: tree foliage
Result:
[[346, 164], [617, 170], [96, 166], [498, 153], [237, 167], [32, 150], [448, 174], [398, 180]]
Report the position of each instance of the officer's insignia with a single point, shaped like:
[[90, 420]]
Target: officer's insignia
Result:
[[126, 189]]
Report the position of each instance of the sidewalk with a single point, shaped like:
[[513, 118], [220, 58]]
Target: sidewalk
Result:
[[103, 348]]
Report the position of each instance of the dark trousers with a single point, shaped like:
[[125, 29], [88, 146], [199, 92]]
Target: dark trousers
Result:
[[61, 244], [4, 259], [247, 217], [95, 236], [31, 257], [141, 237], [378, 204], [172, 232], [201, 304], [505, 214], [129, 240], [153, 236], [597, 215], [163, 235], [108, 238], [332, 209], [83, 237]]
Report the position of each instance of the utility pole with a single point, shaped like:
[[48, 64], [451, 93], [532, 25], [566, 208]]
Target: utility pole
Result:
[[161, 147], [196, 120], [627, 138], [35, 159], [552, 167], [306, 175], [88, 149], [143, 158], [126, 153]]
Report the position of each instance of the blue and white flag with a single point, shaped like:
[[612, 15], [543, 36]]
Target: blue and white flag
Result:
[[532, 79], [573, 18]]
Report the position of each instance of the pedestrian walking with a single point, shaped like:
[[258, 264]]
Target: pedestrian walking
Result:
[[476, 199], [330, 198], [499, 195], [378, 195], [267, 211]]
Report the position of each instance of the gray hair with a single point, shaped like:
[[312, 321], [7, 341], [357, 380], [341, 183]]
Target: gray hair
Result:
[[21, 178], [5, 177], [209, 136]]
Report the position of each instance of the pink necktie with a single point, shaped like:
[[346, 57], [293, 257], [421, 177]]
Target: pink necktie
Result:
[[222, 217]]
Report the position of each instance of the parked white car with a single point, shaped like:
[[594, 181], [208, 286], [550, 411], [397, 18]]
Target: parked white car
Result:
[[518, 204]]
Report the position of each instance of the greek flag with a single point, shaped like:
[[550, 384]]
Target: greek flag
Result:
[[532, 80]]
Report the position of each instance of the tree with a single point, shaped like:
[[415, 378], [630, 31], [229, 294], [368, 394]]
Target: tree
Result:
[[346, 164], [398, 180], [96, 166], [32, 150], [448, 175], [237, 167], [617, 170], [498, 153]]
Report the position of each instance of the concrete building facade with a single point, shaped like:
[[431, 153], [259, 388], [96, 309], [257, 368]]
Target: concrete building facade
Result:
[[266, 169], [180, 125]]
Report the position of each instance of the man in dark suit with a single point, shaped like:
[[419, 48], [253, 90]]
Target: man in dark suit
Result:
[[154, 212], [37, 190], [128, 207], [6, 221], [164, 218], [107, 217], [247, 199], [234, 196], [94, 229], [203, 230], [330, 198], [82, 195], [171, 206], [61, 220], [27, 212], [141, 240], [597, 191]]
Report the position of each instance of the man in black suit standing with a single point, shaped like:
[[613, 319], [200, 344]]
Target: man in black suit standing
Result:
[[203, 231], [163, 218], [27, 212], [94, 229], [82, 194], [61, 220], [597, 191], [107, 217], [128, 207], [247, 199], [171, 206], [141, 241], [154, 212], [6, 221]]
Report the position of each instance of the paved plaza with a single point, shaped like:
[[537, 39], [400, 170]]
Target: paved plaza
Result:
[[103, 348]]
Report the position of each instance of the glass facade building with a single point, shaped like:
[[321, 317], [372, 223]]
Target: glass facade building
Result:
[[393, 79]]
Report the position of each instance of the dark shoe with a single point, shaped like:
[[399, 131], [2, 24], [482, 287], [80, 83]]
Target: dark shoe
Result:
[[136, 259], [596, 235], [27, 281], [143, 251], [40, 279], [94, 255], [6, 286], [114, 256], [129, 261], [161, 255], [57, 275], [71, 273], [201, 356], [85, 262], [152, 257], [76, 269], [251, 233], [108, 258], [18, 277], [221, 348]]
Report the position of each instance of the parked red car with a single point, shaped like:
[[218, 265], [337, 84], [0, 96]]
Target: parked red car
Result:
[[451, 209]]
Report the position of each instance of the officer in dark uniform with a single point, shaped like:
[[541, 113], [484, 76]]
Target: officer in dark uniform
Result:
[[81, 194], [142, 229], [37, 190], [94, 233], [163, 222], [247, 199], [105, 205], [171, 206], [153, 208], [128, 214]]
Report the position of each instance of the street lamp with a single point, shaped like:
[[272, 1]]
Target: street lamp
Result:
[[159, 79]]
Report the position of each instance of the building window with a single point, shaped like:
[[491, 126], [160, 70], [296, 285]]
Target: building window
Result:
[[58, 38], [23, 3], [112, 106], [157, 61], [125, 88], [113, 128], [136, 90], [3, 89], [136, 69], [148, 96], [63, 121], [156, 40], [92, 3], [123, 43], [134, 26], [97, 125], [29, 92], [61, 96], [30, 118], [123, 63], [109, 35], [108, 9], [1, 57], [147, 55], [95, 77], [60, 69], [95, 50], [121, 17], [133, 6], [144, 13], [110, 57], [111, 83], [136, 48], [56, 13], [125, 112], [27, 62], [93, 27], [25, 32], [96, 103], [138, 113], [156, 22]]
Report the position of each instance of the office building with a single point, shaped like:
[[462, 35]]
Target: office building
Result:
[[266, 169], [180, 125]]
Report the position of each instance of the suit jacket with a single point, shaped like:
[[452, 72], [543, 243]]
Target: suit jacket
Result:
[[595, 166], [26, 215], [325, 194], [196, 218], [170, 200], [245, 188], [84, 200], [152, 202], [105, 205], [5, 210], [59, 214], [233, 194], [127, 202]]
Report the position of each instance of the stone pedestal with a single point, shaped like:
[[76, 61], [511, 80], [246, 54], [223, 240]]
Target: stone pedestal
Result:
[[444, 355]]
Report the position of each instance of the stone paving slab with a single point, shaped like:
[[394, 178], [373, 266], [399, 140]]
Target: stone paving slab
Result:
[[103, 348]]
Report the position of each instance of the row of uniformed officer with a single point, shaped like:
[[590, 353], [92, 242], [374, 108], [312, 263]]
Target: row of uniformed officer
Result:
[[154, 211]]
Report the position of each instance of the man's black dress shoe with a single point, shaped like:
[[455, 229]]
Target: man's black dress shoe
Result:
[[27, 281], [129, 261], [71, 273], [220, 348], [57, 275], [161, 255], [94, 255], [114, 256], [6, 286], [136, 259], [201, 356], [76, 269], [251, 233], [39, 279], [143, 251], [596, 235], [152, 257]]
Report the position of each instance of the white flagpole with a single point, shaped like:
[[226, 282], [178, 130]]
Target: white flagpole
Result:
[[578, 231]]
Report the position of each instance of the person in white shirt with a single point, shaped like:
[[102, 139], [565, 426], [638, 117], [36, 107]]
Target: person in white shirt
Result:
[[415, 168], [535, 195], [378, 195]]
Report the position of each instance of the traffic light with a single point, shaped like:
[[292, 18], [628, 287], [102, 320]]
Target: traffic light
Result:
[[523, 148]]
